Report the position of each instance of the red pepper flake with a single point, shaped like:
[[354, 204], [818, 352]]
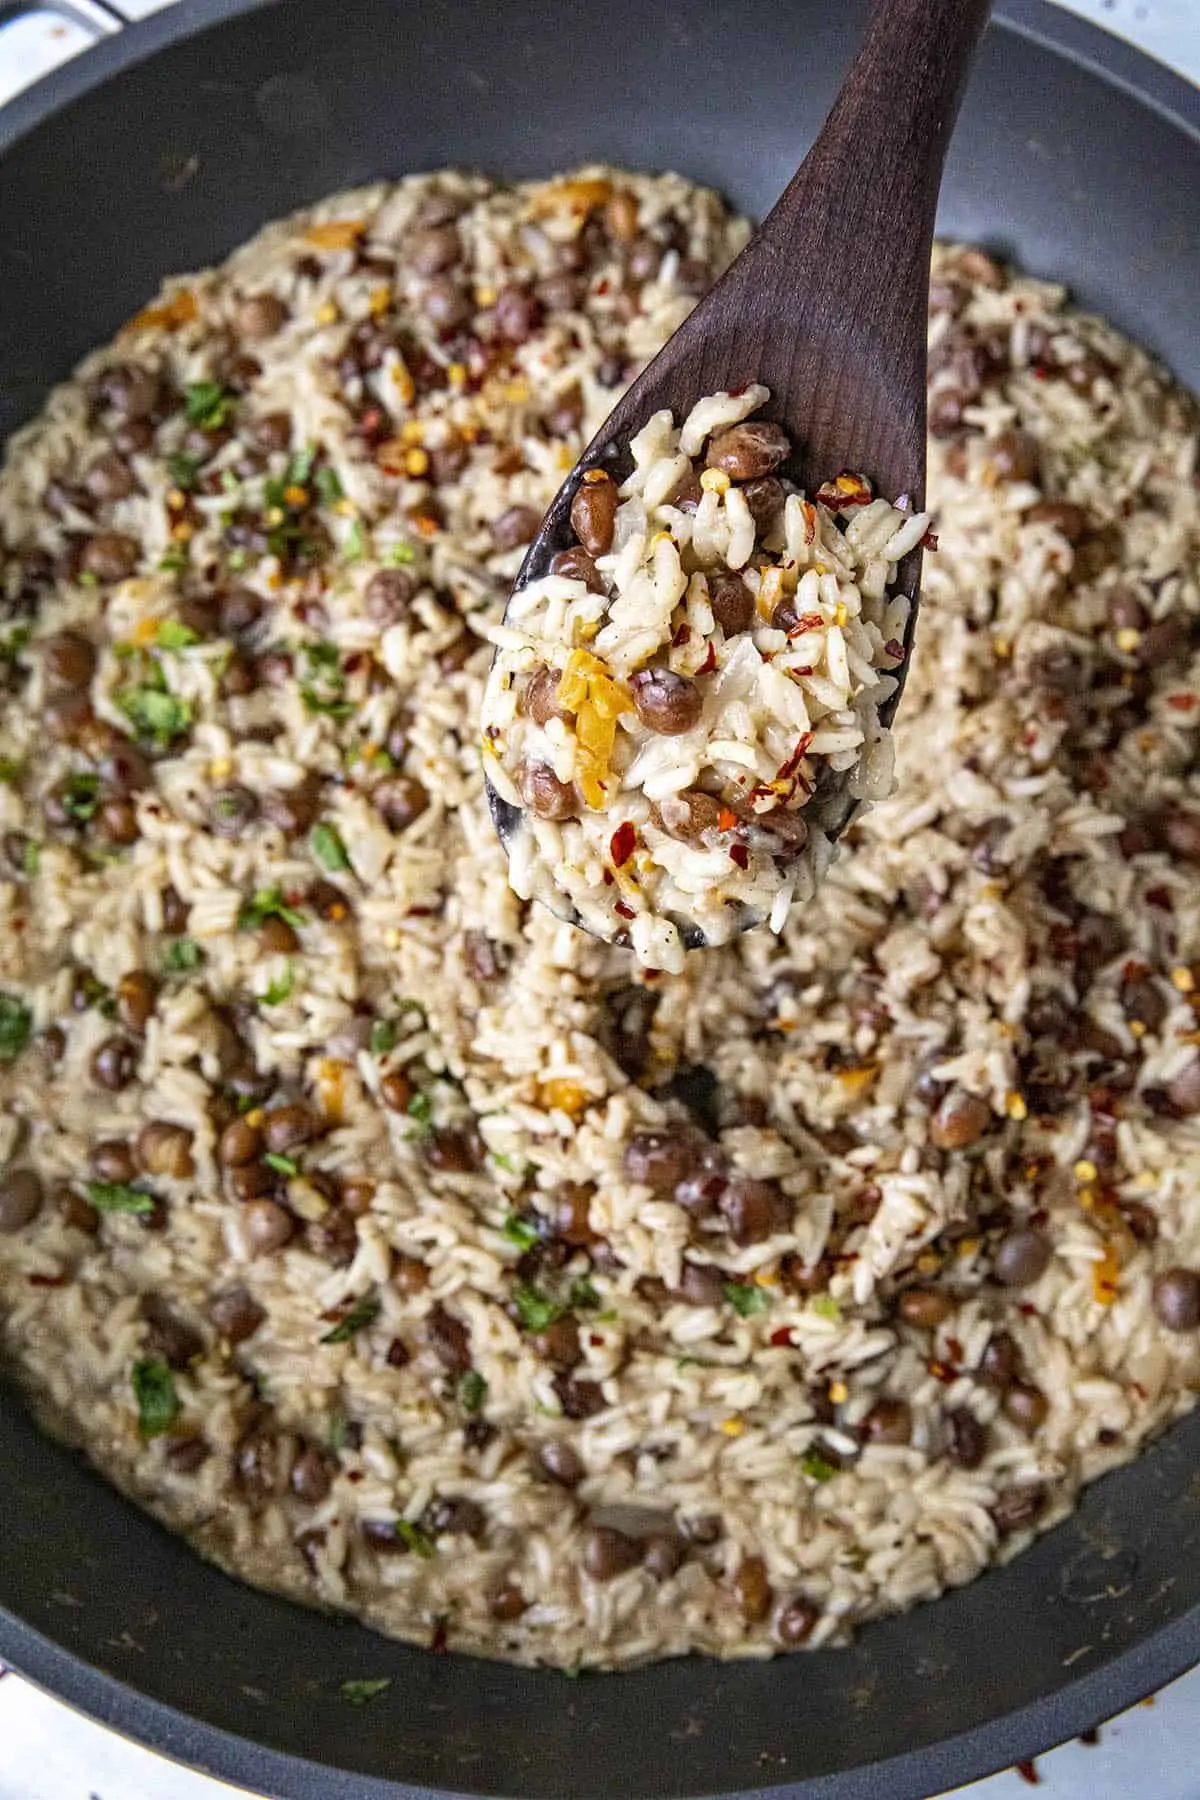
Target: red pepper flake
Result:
[[797, 757], [1028, 1771], [727, 820], [841, 499], [1160, 897], [623, 843], [895, 649], [422, 912], [1041, 374], [941, 1371], [710, 661], [955, 1348], [1028, 1309], [737, 392], [609, 878], [624, 912], [683, 632], [795, 674], [807, 622], [929, 541], [594, 1337], [739, 854], [1183, 703], [783, 1337], [354, 663], [356, 1475], [48, 1281]]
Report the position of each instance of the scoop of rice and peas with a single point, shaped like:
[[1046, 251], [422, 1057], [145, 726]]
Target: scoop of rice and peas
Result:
[[414, 1253], [682, 703]]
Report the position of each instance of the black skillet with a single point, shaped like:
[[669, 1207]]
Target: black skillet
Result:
[[161, 151]]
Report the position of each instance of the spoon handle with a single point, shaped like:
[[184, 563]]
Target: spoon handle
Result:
[[839, 273]]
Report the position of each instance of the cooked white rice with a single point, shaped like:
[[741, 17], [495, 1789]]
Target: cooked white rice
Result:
[[619, 1314]]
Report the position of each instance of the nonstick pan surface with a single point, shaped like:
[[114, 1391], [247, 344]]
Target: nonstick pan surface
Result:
[[161, 151]]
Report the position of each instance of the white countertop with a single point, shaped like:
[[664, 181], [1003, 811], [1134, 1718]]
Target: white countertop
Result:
[[49, 1753]]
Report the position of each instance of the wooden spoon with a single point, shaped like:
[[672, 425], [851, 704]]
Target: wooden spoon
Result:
[[828, 303]]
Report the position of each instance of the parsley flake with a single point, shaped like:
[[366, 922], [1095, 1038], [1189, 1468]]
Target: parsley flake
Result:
[[537, 1312], [268, 903], [276, 992], [155, 714], [328, 484], [328, 848], [181, 957], [207, 405], [173, 634], [363, 1313], [472, 1391], [520, 1232], [118, 1197], [745, 1298], [183, 469], [417, 1540], [817, 1467], [154, 1390], [282, 1165], [360, 1693], [383, 1037], [15, 1022]]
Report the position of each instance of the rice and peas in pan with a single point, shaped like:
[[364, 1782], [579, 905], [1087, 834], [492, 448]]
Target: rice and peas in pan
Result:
[[410, 1250]]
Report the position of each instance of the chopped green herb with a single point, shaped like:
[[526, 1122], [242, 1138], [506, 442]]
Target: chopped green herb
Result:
[[520, 1232], [472, 1389], [420, 1108], [573, 1670], [207, 405], [15, 1021], [276, 992], [537, 1311], [229, 485], [10, 770], [383, 1037], [328, 848], [300, 467], [81, 797], [14, 641], [86, 579], [417, 1540], [363, 1313], [329, 487], [173, 634], [154, 1391], [817, 1467], [183, 468], [236, 560], [275, 492], [508, 1163], [174, 562], [825, 1307], [155, 714], [354, 544], [118, 1197], [181, 957], [745, 1298], [399, 556], [339, 1432], [31, 857], [605, 1318], [359, 1693], [282, 1165], [268, 903], [582, 1293], [323, 689]]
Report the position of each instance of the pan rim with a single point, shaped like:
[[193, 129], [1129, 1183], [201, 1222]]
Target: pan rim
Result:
[[1161, 1657]]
